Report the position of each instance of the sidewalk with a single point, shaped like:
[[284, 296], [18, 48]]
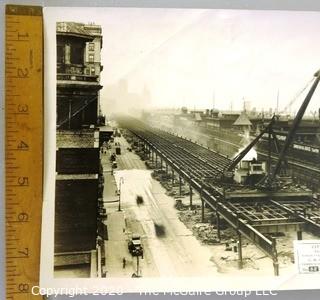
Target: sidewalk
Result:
[[116, 247]]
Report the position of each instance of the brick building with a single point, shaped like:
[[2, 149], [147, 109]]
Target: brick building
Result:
[[78, 169]]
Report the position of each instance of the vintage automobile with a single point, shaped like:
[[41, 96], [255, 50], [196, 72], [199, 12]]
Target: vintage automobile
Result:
[[135, 246]]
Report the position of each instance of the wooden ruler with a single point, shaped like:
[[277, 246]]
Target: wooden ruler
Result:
[[23, 148]]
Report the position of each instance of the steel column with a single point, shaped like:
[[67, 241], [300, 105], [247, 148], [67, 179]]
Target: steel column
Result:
[[276, 267], [275, 257], [218, 225], [202, 210], [240, 262], [299, 235]]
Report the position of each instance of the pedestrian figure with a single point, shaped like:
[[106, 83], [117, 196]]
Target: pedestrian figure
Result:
[[124, 263]]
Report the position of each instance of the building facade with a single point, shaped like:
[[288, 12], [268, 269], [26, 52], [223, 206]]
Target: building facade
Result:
[[78, 74], [78, 168]]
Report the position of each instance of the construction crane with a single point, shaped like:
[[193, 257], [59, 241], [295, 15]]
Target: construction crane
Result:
[[288, 107], [246, 150], [269, 180], [296, 122]]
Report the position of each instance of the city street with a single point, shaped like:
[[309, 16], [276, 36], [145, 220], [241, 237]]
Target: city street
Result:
[[177, 253]]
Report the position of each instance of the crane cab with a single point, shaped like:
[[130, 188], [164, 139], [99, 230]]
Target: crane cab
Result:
[[250, 171]]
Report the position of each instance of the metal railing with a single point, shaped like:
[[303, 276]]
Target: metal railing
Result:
[[73, 77]]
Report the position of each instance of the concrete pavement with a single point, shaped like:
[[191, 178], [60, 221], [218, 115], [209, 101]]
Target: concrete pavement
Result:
[[116, 247]]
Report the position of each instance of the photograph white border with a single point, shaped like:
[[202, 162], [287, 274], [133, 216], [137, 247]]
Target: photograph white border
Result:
[[47, 280]]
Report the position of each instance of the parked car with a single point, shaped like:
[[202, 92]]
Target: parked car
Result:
[[135, 246]]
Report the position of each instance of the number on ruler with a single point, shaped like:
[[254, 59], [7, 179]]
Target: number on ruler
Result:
[[23, 288], [23, 217], [22, 146], [23, 181], [23, 108], [22, 72], [25, 252]]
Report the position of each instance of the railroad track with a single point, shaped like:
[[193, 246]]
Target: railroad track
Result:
[[293, 161], [201, 168]]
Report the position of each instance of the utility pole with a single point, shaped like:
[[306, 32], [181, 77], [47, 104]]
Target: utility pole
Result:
[[138, 266], [213, 100], [277, 111], [121, 180]]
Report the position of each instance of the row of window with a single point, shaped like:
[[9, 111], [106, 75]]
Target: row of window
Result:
[[73, 54], [91, 56], [91, 71]]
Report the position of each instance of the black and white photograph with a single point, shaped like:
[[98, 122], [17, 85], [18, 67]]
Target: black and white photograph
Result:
[[182, 147]]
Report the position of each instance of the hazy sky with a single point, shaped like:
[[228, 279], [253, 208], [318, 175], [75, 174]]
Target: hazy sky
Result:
[[185, 56]]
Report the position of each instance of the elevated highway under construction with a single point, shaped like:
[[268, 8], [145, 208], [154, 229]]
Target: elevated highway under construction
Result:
[[303, 171], [254, 210], [255, 196]]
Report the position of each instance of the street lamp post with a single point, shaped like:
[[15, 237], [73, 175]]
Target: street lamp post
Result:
[[121, 181]]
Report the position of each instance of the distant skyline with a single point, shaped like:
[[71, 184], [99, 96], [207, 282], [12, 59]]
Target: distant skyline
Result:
[[200, 58]]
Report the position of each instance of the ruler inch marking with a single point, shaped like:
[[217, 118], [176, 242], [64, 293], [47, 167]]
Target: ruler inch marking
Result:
[[23, 148]]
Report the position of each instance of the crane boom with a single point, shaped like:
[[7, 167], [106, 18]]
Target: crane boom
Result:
[[294, 127], [244, 152]]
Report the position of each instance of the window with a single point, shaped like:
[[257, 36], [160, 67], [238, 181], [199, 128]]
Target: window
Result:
[[91, 58], [257, 168], [93, 71], [91, 46], [60, 54], [76, 54]]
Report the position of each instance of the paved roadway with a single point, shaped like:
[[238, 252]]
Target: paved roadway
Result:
[[176, 254]]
